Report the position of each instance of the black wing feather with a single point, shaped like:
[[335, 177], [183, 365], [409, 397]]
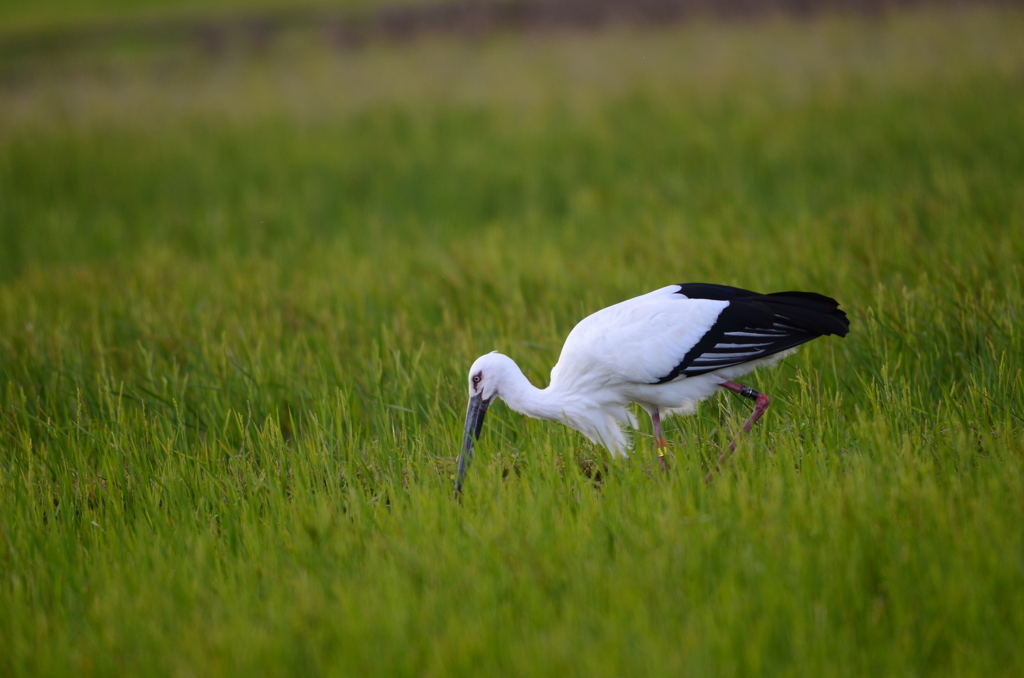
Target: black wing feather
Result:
[[714, 292], [755, 326]]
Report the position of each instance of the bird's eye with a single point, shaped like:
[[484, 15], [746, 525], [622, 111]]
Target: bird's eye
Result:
[[476, 379]]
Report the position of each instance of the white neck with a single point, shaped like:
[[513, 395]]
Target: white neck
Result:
[[525, 398], [570, 404]]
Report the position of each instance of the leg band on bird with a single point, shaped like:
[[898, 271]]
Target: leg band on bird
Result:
[[748, 392], [659, 437], [744, 391]]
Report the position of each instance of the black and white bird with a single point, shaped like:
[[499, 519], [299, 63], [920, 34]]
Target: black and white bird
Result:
[[665, 351]]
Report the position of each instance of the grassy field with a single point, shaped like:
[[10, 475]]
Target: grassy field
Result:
[[18, 16], [239, 294]]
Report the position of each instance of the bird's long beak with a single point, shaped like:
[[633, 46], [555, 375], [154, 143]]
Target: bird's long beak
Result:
[[474, 423]]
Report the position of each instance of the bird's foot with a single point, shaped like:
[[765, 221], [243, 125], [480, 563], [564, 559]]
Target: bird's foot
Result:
[[721, 458], [761, 402]]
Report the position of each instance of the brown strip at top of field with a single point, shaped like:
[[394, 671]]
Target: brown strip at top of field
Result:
[[469, 18], [694, 65]]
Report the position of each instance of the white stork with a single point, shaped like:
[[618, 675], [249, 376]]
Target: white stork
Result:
[[664, 350]]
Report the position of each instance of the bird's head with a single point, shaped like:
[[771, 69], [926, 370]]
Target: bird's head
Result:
[[485, 379], [487, 374]]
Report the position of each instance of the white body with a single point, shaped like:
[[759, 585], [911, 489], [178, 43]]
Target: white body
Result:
[[613, 358]]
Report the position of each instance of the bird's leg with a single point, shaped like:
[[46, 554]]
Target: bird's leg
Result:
[[659, 439], [760, 405]]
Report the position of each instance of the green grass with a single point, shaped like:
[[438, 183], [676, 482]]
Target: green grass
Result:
[[19, 17], [238, 300]]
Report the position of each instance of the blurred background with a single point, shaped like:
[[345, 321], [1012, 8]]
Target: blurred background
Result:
[[200, 126]]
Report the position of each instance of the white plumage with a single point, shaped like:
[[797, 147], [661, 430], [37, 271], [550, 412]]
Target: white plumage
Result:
[[664, 350]]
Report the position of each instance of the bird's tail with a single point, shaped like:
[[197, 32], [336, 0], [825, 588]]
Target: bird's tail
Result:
[[809, 311]]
